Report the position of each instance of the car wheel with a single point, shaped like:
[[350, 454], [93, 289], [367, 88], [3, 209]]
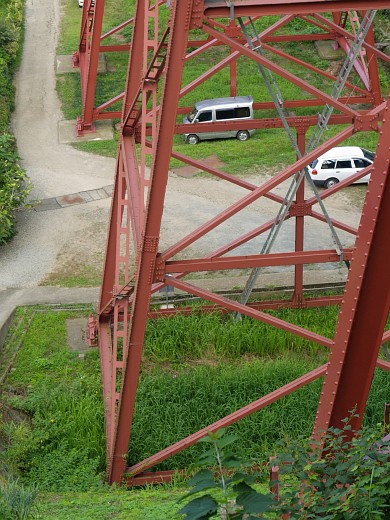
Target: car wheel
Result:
[[192, 139], [242, 135], [329, 183]]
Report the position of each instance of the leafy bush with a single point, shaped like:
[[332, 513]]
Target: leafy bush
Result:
[[14, 187], [225, 485], [350, 480], [8, 40]]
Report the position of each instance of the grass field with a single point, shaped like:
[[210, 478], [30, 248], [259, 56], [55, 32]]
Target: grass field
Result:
[[193, 373], [239, 158]]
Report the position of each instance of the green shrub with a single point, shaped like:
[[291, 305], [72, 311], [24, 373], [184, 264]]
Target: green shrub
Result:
[[349, 480], [224, 484], [8, 40], [14, 187]]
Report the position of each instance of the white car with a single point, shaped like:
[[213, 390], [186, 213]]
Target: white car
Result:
[[81, 2], [340, 163]]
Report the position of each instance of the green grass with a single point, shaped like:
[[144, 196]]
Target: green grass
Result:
[[173, 404], [149, 504], [185, 384], [240, 158], [212, 336], [82, 275], [62, 395]]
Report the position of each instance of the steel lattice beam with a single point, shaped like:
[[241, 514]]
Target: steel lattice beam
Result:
[[137, 265], [92, 43]]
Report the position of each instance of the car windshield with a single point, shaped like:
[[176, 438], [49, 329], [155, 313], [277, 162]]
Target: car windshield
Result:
[[192, 114], [368, 155], [314, 163]]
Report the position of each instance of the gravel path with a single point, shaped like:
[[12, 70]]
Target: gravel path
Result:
[[54, 169]]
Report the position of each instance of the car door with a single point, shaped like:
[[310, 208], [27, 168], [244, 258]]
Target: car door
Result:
[[359, 165], [204, 116], [344, 169], [225, 114]]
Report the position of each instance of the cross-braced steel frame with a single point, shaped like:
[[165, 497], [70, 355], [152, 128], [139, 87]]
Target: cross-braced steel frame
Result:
[[140, 260], [94, 42]]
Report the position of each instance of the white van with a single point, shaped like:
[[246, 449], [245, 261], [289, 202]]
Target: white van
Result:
[[239, 108], [340, 163]]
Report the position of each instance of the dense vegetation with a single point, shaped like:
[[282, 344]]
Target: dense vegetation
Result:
[[348, 481], [13, 181], [184, 386]]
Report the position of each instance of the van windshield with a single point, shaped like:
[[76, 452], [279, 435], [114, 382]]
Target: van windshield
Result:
[[192, 114]]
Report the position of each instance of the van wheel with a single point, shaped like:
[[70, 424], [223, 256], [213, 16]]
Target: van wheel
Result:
[[242, 135], [329, 183], [192, 139]]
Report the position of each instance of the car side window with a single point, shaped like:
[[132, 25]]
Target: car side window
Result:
[[344, 164], [204, 116], [361, 163], [329, 164]]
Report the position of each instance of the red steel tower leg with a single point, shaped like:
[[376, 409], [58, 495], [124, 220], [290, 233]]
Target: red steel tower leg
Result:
[[159, 174], [366, 304], [88, 54]]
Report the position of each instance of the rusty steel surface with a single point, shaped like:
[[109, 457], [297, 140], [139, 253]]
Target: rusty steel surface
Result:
[[140, 260]]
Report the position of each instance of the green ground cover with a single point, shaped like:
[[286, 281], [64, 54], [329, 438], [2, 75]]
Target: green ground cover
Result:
[[195, 370], [149, 504]]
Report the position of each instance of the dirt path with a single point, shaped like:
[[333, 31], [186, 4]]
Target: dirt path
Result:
[[54, 169], [54, 244]]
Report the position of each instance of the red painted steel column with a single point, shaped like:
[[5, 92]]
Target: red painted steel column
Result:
[[106, 291], [132, 87], [233, 66], [366, 303], [180, 21], [92, 61], [299, 225], [373, 69]]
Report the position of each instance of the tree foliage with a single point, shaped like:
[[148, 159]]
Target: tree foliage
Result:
[[14, 186]]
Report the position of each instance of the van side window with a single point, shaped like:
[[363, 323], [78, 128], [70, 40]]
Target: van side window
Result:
[[242, 112], [204, 116], [225, 113], [361, 163], [232, 113], [344, 164], [330, 164]]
